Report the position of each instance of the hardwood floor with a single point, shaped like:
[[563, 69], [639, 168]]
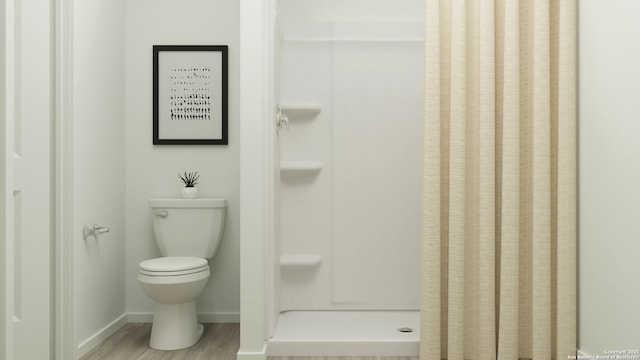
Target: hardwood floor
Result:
[[219, 342], [343, 358]]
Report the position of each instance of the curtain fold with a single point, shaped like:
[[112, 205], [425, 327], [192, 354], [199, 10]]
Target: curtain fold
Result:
[[499, 229]]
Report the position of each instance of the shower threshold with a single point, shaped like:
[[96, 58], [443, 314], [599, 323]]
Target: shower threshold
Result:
[[346, 333]]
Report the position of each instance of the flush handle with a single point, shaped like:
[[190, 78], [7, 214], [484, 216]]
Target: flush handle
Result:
[[162, 213]]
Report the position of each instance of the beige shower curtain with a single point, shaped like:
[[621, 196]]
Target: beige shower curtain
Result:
[[499, 236]]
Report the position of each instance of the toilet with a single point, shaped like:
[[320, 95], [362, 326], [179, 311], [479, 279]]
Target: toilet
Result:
[[188, 233]]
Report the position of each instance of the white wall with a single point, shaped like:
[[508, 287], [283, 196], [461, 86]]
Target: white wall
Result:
[[351, 10], [256, 171], [116, 169], [151, 171], [98, 165], [609, 173], [3, 188]]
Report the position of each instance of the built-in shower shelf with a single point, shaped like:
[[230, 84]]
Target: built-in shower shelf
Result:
[[300, 260], [300, 110], [300, 167]]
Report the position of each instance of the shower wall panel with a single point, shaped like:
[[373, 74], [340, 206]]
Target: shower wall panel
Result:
[[359, 214], [377, 173], [305, 196]]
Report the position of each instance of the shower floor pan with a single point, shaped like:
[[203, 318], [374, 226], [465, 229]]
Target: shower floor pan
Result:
[[346, 333]]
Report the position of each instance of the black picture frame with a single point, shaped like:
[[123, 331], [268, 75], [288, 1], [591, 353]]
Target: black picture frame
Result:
[[190, 95]]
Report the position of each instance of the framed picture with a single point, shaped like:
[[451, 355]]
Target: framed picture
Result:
[[190, 95]]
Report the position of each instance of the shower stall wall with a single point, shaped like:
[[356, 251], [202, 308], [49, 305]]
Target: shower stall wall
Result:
[[346, 251], [351, 165]]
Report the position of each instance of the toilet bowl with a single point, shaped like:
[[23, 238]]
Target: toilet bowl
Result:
[[173, 283], [188, 232]]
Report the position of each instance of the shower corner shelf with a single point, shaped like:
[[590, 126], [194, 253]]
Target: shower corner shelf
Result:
[[300, 260], [300, 167], [301, 109]]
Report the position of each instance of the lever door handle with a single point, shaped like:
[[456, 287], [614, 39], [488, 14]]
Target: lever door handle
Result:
[[100, 229], [95, 231]]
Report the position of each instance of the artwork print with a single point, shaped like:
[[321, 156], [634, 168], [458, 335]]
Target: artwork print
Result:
[[190, 95]]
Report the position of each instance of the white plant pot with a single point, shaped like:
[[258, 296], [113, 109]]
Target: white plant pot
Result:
[[189, 192]]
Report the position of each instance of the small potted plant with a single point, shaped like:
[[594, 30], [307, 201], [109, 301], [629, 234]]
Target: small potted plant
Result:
[[190, 179]]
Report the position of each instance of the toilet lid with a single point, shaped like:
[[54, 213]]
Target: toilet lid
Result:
[[173, 265]]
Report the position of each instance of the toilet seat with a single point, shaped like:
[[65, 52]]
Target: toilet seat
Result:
[[173, 266]]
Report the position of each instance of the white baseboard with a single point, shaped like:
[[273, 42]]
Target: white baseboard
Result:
[[252, 355], [88, 344], [217, 317]]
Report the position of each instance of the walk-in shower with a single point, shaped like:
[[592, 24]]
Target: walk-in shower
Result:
[[348, 93]]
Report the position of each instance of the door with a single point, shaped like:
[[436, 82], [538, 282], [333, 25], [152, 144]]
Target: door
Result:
[[28, 178]]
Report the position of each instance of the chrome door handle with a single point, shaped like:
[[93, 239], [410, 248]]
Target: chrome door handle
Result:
[[95, 231]]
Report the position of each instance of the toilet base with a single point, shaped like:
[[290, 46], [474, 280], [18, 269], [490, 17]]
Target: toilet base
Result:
[[175, 326]]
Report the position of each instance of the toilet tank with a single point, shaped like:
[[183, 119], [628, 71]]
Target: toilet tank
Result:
[[188, 227]]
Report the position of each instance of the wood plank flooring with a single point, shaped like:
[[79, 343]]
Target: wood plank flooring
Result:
[[343, 358], [219, 342]]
